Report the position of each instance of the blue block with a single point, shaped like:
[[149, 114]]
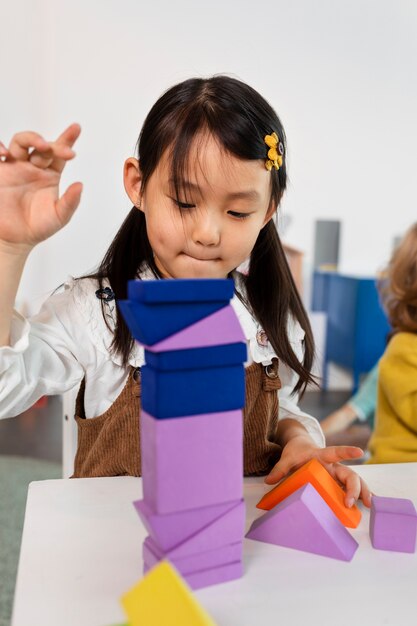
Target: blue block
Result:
[[150, 323], [192, 392], [181, 290], [212, 356]]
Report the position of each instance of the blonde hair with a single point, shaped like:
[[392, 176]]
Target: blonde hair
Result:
[[399, 286]]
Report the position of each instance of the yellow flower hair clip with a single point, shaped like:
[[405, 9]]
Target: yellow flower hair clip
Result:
[[275, 152]]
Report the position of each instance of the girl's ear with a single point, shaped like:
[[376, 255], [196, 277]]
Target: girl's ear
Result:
[[132, 179]]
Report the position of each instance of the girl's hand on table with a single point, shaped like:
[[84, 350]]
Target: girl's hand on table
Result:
[[301, 449]]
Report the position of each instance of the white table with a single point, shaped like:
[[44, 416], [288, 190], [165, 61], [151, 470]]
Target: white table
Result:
[[81, 550]]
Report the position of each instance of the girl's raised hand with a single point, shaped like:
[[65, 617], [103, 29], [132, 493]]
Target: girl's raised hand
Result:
[[31, 209], [301, 449]]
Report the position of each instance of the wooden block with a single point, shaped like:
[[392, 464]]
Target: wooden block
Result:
[[144, 606], [313, 472], [211, 576], [223, 531], [304, 521], [221, 327], [150, 323], [209, 356], [192, 462], [194, 562], [393, 524], [172, 529], [179, 393], [181, 290], [157, 309]]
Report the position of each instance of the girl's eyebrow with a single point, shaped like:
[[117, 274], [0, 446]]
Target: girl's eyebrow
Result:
[[250, 194]]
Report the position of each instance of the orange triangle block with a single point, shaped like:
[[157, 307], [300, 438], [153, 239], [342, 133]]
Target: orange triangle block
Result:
[[313, 472]]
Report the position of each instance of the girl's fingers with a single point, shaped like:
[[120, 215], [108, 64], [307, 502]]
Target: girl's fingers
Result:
[[68, 202], [70, 135], [66, 139], [285, 465], [30, 146], [21, 143], [366, 494], [3, 152], [326, 456], [276, 474], [351, 482], [45, 158], [354, 485], [334, 454]]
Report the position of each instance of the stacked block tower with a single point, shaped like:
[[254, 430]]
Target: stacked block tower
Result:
[[193, 391]]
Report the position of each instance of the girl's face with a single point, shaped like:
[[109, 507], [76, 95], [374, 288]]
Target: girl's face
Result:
[[213, 230]]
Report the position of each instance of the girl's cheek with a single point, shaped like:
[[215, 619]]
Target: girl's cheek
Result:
[[166, 238]]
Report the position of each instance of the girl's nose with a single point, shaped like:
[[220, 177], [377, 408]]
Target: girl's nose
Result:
[[206, 230]]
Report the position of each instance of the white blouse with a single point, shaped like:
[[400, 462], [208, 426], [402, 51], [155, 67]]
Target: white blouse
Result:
[[51, 352]]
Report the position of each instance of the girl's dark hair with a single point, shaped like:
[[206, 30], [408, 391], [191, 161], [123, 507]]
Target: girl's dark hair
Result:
[[239, 118]]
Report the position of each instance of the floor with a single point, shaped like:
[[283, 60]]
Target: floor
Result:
[[30, 449], [37, 433]]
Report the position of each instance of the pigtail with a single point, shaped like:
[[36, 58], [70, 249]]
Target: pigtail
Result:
[[128, 252], [273, 296]]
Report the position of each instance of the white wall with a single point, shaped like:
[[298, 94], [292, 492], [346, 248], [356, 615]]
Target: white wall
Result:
[[342, 76]]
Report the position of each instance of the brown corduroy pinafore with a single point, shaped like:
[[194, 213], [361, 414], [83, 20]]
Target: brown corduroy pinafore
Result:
[[109, 445]]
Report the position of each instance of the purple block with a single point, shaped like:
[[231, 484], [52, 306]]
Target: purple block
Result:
[[304, 521], [195, 562], [227, 529], [192, 462], [212, 576], [150, 323], [174, 528], [221, 327], [393, 524]]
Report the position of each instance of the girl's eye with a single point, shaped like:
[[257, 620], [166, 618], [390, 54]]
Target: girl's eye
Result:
[[240, 216], [183, 206]]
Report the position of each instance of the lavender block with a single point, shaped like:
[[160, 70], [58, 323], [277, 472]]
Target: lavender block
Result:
[[150, 323], [192, 462], [172, 529], [193, 391], [225, 530], [195, 562], [393, 524], [304, 521], [221, 327], [156, 309], [212, 576]]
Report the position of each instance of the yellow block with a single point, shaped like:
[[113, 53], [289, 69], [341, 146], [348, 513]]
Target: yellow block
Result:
[[163, 598]]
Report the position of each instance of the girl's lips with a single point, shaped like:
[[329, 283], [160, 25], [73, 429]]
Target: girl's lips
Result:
[[196, 258]]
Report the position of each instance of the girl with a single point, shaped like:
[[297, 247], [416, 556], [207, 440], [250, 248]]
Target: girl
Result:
[[395, 436], [210, 174]]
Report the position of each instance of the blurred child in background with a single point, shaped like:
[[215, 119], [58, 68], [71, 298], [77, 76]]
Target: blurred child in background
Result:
[[395, 436]]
